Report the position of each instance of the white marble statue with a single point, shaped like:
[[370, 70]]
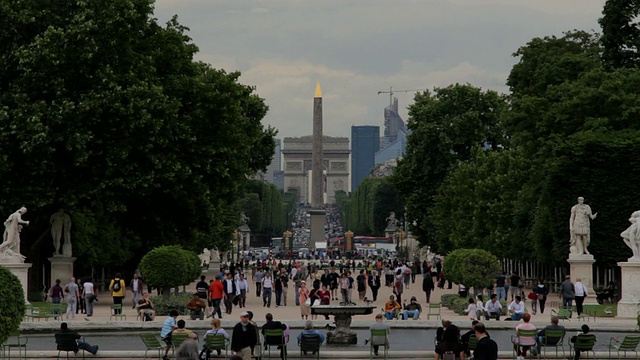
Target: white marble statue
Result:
[[61, 225], [391, 220], [215, 255], [10, 247], [205, 257], [631, 236], [579, 227], [244, 218]]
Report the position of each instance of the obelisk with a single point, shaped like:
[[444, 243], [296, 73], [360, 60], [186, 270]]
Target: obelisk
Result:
[[317, 211]]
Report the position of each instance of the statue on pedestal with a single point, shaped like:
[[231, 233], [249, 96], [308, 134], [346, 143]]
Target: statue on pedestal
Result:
[[631, 236], [61, 225], [10, 247], [391, 220], [579, 227]]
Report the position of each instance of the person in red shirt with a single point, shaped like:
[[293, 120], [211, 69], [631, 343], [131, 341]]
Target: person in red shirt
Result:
[[216, 291]]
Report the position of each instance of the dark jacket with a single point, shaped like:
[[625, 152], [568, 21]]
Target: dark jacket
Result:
[[371, 281], [242, 338], [272, 325], [427, 283], [486, 349]]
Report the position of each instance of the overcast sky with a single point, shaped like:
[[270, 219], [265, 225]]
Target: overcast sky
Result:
[[356, 48]]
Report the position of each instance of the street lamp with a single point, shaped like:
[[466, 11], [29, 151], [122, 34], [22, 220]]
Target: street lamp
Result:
[[348, 244], [288, 244]]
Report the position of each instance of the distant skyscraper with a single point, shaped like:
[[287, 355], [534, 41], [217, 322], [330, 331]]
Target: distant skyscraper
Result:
[[365, 142], [394, 142], [276, 163]]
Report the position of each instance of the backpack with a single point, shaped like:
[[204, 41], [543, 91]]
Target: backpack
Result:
[[116, 285]]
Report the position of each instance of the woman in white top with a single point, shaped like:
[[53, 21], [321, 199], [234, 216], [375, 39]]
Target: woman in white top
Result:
[[471, 309], [89, 296], [479, 308], [581, 293]]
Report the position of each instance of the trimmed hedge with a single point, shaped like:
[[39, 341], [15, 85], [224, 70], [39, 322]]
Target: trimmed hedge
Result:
[[178, 302]]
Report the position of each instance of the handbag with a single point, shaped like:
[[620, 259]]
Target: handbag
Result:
[[308, 302], [540, 297], [317, 302]]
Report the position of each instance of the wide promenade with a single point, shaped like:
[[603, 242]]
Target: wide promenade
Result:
[[409, 338]]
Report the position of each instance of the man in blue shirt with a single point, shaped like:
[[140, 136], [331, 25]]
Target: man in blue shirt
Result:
[[167, 327]]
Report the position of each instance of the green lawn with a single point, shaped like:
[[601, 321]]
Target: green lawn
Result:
[[599, 309]]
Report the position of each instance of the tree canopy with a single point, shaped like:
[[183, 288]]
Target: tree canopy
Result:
[[104, 112], [568, 128], [169, 266]]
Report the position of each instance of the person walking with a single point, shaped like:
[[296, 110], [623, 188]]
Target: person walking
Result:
[[580, 294], [229, 293], [216, 291], [267, 286], [568, 292], [258, 279], [136, 290], [242, 289], [541, 292], [374, 284], [81, 308], [427, 285], [362, 285], [72, 297], [89, 296], [56, 293]]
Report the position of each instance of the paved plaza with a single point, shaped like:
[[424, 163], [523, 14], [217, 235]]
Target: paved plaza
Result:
[[119, 339]]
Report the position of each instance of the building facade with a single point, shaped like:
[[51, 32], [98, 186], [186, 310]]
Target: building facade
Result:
[[297, 166], [365, 142], [394, 142]]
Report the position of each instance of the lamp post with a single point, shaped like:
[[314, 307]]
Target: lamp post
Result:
[[234, 247], [348, 244], [288, 244]]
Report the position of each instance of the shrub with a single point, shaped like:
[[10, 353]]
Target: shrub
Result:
[[12, 303], [169, 266], [163, 305], [471, 267], [448, 300]]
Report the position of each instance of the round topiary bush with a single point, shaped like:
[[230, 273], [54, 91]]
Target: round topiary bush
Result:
[[169, 266], [12, 304], [471, 267]]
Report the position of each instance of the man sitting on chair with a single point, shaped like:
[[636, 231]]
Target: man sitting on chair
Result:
[[309, 330], [412, 310], [196, 307], [83, 345]]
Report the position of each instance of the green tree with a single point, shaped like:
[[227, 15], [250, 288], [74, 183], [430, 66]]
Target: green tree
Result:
[[471, 267], [12, 309], [105, 112], [620, 33], [447, 125], [169, 266], [477, 205]]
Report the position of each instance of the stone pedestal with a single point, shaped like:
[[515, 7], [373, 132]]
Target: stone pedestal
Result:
[[61, 268], [581, 267], [629, 290], [317, 228], [21, 270]]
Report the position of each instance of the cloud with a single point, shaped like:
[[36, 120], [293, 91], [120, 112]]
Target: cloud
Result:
[[356, 48]]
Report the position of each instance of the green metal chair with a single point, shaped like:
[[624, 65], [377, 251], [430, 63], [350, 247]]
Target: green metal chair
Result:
[[275, 333], [15, 341], [547, 341], [583, 343], [217, 342], [54, 311], [562, 314], [524, 335], [177, 339], [67, 342], [473, 342], [310, 343], [153, 344], [379, 333], [121, 315], [628, 344], [434, 310]]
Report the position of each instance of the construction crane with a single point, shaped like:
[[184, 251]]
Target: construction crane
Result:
[[391, 91]]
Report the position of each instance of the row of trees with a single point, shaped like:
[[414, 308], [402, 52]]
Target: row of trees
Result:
[[269, 211], [365, 211], [104, 112], [501, 173]]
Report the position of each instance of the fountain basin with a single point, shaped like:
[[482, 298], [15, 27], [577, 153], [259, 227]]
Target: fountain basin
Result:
[[342, 317]]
